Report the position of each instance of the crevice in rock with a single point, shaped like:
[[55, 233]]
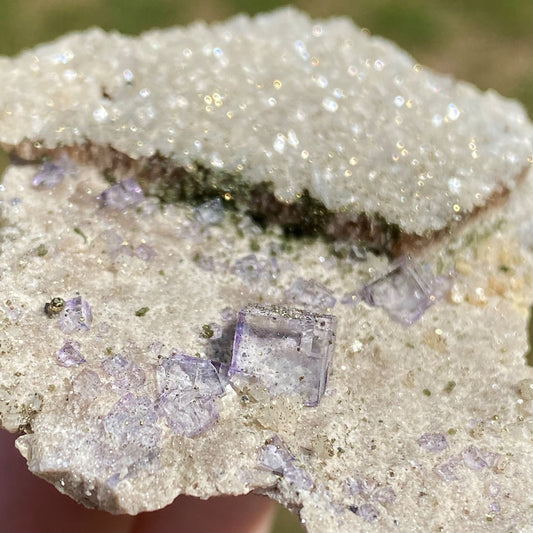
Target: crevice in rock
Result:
[[306, 217]]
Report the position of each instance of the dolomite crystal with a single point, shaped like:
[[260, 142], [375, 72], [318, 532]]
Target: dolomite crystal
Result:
[[272, 126]]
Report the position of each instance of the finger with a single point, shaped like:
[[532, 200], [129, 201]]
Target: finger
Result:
[[224, 514], [31, 505]]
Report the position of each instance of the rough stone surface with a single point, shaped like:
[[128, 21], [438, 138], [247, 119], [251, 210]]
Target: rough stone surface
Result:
[[315, 105], [421, 427]]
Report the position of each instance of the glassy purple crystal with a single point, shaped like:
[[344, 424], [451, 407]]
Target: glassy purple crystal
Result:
[[52, 173], [187, 412], [253, 269], [310, 294], [276, 457], [181, 372], [69, 354], [477, 459], [188, 387], [124, 194], [210, 213], [368, 512], [371, 490], [289, 350], [87, 384], [75, 316], [132, 434], [448, 470], [127, 375], [407, 291], [433, 442]]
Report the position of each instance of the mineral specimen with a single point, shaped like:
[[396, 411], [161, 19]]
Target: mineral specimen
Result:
[[296, 128], [52, 173], [76, 315], [122, 195], [406, 291], [288, 349]]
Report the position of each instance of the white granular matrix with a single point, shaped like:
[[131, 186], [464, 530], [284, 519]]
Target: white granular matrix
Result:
[[307, 105]]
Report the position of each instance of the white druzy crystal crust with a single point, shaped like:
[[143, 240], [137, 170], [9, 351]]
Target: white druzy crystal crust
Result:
[[317, 106]]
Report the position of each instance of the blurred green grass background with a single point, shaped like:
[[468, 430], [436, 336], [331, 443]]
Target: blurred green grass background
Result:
[[487, 42]]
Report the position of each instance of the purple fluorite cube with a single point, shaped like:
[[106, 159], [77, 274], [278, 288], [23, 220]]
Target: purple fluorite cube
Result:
[[182, 372], [289, 350], [52, 173], [75, 316], [188, 387], [407, 291], [69, 354], [124, 194], [276, 457], [187, 412], [311, 293]]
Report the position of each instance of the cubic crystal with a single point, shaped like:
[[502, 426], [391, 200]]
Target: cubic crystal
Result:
[[310, 293], [407, 291], [69, 354], [127, 375], [52, 173], [433, 442], [188, 387], [75, 316], [125, 194], [287, 349], [276, 457], [210, 213]]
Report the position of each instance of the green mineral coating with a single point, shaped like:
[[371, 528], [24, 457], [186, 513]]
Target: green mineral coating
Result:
[[207, 331], [254, 245], [426, 392], [41, 250], [450, 386], [142, 311], [81, 234], [161, 272], [452, 431], [109, 350], [504, 268]]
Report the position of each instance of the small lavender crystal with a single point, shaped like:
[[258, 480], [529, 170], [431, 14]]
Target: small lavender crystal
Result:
[[474, 458], [210, 213], [368, 512], [187, 412], [276, 457], [407, 291], [253, 269], [289, 350], [181, 372], [127, 375], [371, 490], [132, 434], [75, 316], [144, 252], [310, 293], [52, 173], [69, 354], [433, 442], [124, 194], [188, 387], [87, 384], [448, 470]]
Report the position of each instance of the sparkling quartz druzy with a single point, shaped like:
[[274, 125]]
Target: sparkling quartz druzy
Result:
[[287, 349], [279, 98]]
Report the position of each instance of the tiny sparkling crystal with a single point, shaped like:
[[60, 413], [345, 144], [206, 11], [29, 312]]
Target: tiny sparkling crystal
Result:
[[52, 173], [310, 294], [125, 194], [276, 457], [287, 349], [188, 387], [75, 316], [406, 292], [433, 442], [69, 354]]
